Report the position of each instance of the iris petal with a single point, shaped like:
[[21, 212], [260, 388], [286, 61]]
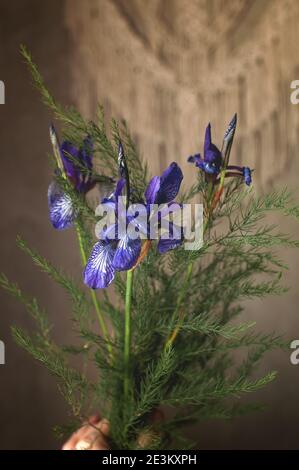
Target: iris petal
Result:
[[69, 155], [170, 182], [152, 190], [99, 271], [174, 240], [112, 200], [195, 159], [209, 168], [244, 171], [79, 173], [127, 253], [208, 138], [61, 209], [167, 245], [212, 154], [119, 188], [247, 175]]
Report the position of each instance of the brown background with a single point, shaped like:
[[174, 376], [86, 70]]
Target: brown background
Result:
[[168, 67]]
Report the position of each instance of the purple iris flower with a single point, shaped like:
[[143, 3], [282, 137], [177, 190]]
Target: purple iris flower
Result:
[[116, 251], [76, 164], [247, 175], [121, 253], [245, 172], [215, 160], [162, 190], [212, 161]]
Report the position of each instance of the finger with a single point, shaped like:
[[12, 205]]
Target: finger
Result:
[[94, 440], [91, 436], [100, 443], [95, 436], [71, 443], [104, 427], [94, 419]]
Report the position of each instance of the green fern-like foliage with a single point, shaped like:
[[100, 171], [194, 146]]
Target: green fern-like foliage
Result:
[[194, 376]]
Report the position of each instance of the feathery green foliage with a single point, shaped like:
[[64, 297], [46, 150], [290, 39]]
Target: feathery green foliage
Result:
[[196, 374]]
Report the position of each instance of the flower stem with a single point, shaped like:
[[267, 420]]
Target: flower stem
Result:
[[128, 302], [178, 313], [212, 203], [94, 297]]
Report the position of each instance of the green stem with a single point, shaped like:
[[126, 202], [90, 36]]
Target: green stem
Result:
[[82, 251], [177, 312], [128, 302], [94, 298]]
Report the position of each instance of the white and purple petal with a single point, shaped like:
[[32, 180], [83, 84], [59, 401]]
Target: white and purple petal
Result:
[[127, 253], [99, 271], [61, 209], [209, 167]]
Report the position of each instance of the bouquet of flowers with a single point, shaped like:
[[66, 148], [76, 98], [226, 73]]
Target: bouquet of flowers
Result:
[[163, 336]]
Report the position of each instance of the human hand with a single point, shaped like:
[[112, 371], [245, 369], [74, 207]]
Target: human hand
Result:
[[93, 435]]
